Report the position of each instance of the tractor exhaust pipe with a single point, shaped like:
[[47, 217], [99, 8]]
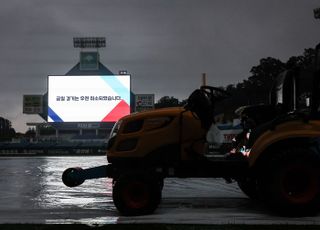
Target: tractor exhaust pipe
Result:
[[73, 177]]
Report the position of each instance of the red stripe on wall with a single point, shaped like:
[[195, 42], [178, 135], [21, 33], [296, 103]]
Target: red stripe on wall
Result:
[[121, 110]]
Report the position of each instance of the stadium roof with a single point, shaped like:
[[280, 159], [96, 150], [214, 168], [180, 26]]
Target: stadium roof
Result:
[[103, 70]]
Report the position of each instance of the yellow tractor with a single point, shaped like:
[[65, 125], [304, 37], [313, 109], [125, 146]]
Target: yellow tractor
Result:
[[278, 163]]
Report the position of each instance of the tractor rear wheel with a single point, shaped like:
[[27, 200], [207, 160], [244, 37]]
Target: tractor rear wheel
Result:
[[290, 182], [248, 186]]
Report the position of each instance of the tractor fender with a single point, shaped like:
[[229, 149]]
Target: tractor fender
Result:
[[285, 135]]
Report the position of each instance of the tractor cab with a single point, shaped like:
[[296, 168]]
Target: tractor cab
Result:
[[289, 98]]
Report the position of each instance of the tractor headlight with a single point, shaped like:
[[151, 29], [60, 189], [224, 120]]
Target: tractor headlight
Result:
[[115, 129], [132, 126]]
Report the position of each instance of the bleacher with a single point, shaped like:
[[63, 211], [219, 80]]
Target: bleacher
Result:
[[58, 146]]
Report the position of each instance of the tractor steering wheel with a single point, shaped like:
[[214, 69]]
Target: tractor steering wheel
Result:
[[201, 102]]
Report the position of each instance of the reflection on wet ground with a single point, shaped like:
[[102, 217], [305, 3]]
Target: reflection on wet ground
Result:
[[31, 185], [31, 191]]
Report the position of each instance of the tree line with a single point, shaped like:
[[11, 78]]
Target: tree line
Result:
[[256, 87]]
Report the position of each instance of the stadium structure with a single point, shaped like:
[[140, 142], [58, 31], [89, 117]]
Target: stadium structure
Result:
[[80, 107]]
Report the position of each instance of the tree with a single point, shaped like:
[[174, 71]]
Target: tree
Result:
[[6, 130], [265, 73], [303, 61], [31, 133], [167, 101], [262, 79]]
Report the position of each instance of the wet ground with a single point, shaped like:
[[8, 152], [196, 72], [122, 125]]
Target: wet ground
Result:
[[31, 191]]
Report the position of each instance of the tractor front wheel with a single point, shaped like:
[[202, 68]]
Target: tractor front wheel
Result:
[[136, 194]]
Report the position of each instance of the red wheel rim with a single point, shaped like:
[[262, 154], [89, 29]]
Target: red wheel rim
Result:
[[136, 195], [299, 184]]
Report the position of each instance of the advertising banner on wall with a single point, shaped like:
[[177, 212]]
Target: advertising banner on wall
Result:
[[88, 98], [144, 102], [32, 104]]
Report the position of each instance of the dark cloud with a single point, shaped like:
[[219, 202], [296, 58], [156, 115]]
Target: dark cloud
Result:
[[165, 45]]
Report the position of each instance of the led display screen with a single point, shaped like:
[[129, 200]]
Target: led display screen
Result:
[[88, 98]]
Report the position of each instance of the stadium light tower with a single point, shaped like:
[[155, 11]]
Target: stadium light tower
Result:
[[89, 60], [89, 42]]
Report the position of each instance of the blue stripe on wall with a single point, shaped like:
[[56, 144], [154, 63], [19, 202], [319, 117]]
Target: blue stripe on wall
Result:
[[54, 116], [117, 86]]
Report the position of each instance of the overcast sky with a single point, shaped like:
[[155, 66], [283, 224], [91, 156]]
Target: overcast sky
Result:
[[164, 44]]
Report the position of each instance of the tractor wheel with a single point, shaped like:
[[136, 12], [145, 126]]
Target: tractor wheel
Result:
[[136, 195], [290, 182], [248, 186]]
